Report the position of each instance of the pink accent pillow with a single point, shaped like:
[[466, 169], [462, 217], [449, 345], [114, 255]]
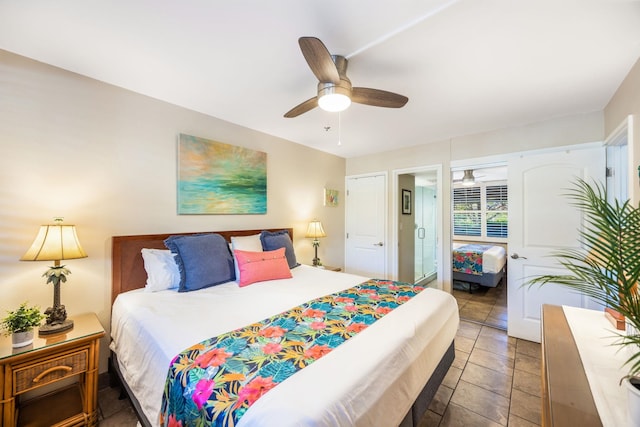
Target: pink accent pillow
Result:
[[260, 266]]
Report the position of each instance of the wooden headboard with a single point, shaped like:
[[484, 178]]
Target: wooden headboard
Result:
[[127, 266]]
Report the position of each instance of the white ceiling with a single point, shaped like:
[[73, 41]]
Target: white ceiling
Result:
[[467, 66]]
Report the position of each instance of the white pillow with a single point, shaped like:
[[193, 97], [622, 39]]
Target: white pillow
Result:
[[244, 243], [162, 270]]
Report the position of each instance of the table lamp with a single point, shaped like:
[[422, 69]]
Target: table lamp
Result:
[[315, 231], [55, 242]]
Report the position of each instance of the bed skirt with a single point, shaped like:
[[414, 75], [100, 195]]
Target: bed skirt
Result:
[[117, 380], [490, 280], [421, 404], [412, 419]]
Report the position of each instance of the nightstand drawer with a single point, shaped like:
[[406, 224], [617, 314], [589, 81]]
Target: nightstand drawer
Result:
[[47, 371]]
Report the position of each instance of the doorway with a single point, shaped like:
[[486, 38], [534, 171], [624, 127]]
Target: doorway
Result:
[[540, 219], [479, 235], [417, 234], [619, 181]]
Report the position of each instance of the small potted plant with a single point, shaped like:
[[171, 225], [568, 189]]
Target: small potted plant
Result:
[[20, 323], [607, 269]]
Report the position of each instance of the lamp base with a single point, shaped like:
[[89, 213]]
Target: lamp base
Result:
[[47, 329], [316, 260]]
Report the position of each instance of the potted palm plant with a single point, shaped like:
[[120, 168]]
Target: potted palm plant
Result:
[[607, 269], [20, 323]]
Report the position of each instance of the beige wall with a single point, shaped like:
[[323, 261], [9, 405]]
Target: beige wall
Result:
[[551, 133], [625, 102], [105, 159], [582, 128]]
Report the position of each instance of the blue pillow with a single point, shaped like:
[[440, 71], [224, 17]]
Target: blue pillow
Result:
[[272, 240], [204, 260]]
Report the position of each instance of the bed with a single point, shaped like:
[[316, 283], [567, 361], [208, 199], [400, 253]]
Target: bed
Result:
[[360, 383], [478, 263]]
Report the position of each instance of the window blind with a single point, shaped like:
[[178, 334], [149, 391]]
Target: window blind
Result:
[[497, 211], [481, 211], [467, 218]]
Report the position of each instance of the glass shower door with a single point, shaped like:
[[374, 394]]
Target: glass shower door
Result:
[[425, 233]]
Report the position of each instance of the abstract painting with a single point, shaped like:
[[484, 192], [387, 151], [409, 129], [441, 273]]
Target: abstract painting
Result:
[[218, 178]]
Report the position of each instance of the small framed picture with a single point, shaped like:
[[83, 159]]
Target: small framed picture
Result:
[[406, 202], [330, 197]]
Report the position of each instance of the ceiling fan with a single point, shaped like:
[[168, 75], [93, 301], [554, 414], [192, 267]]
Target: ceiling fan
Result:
[[335, 92], [468, 178]]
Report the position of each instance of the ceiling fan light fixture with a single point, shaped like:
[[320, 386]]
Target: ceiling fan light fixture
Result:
[[335, 92], [468, 178], [334, 102]]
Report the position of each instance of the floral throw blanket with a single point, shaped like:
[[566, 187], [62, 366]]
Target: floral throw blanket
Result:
[[213, 383], [468, 258]]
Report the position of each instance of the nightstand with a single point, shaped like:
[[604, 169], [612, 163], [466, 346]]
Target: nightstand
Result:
[[47, 362]]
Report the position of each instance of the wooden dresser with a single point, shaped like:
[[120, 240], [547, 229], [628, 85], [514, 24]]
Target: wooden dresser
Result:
[[65, 365], [566, 395]]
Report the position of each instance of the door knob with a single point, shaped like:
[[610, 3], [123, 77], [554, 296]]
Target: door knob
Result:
[[516, 256], [378, 244]]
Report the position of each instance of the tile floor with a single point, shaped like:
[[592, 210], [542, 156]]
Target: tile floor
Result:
[[484, 305], [115, 412], [494, 381]]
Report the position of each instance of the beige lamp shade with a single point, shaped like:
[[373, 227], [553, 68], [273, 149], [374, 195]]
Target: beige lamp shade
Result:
[[54, 243], [315, 230]]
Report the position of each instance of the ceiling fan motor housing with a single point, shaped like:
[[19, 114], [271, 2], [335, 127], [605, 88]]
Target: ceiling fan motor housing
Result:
[[336, 96], [344, 86]]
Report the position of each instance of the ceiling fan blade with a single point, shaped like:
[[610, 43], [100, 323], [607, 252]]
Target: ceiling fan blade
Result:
[[307, 105], [378, 98], [319, 59]]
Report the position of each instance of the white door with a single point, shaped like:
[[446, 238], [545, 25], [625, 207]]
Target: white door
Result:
[[366, 208], [542, 220]]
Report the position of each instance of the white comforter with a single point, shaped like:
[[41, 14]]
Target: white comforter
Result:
[[370, 380]]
